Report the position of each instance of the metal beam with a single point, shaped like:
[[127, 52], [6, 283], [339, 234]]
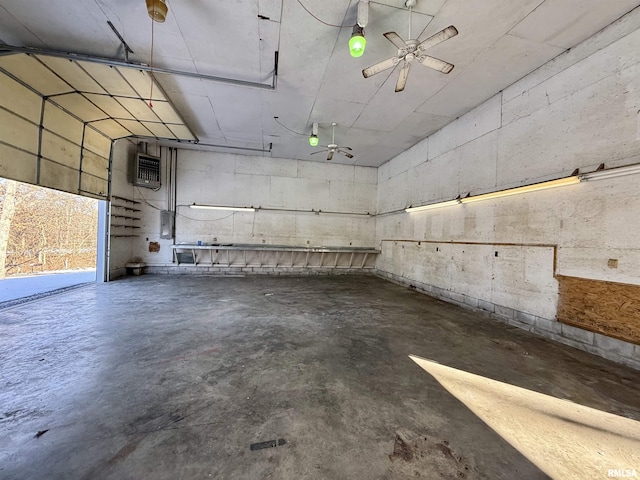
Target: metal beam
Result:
[[7, 49]]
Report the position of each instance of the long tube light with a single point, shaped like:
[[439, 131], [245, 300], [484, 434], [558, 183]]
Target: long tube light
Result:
[[572, 180], [432, 205], [215, 207], [527, 188], [611, 172]]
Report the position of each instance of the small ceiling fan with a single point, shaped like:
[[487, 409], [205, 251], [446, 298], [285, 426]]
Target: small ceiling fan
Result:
[[333, 147], [412, 50]]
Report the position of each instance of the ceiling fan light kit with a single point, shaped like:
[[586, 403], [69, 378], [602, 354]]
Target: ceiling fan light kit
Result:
[[411, 50], [157, 10]]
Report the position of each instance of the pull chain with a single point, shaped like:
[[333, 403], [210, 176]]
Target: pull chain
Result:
[[151, 66]]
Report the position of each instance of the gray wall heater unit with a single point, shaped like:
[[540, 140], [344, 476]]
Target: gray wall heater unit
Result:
[[146, 172]]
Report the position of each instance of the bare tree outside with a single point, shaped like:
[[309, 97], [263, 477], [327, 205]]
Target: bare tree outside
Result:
[[43, 230]]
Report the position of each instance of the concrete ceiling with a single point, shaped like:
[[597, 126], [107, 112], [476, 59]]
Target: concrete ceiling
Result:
[[499, 42]]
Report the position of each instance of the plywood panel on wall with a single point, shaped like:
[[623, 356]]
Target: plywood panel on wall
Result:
[[609, 308]]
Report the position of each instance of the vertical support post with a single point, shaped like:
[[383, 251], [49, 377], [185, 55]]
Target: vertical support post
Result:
[[108, 214], [40, 128], [103, 240], [84, 128]]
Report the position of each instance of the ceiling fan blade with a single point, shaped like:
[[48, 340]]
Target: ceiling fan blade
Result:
[[330, 156], [346, 154], [346, 148], [439, 37], [380, 67], [394, 38], [436, 64], [402, 78], [319, 151]]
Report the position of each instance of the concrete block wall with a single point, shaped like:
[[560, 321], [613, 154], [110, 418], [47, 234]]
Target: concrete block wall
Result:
[[610, 348], [293, 186], [577, 111]]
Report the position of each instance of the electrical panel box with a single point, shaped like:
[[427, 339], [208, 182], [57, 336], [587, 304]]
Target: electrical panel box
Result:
[[166, 224], [146, 172]]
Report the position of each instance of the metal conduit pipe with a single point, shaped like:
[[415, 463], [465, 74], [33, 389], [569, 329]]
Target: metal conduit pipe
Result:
[[11, 49]]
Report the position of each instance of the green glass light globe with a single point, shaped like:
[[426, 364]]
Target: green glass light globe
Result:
[[313, 140], [356, 45]]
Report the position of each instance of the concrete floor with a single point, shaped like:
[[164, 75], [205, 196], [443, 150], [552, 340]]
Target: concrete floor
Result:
[[170, 377]]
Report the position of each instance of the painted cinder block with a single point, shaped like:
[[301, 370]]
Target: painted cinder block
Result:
[[472, 302], [457, 297], [614, 345], [487, 306], [504, 311], [517, 323], [577, 334], [546, 326], [525, 317], [572, 343]]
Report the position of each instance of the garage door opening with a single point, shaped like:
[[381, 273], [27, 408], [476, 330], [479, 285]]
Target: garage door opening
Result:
[[48, 240]]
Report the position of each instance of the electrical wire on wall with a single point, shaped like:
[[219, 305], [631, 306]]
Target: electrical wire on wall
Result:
[[201, 220], [287, 128], [351, 25]]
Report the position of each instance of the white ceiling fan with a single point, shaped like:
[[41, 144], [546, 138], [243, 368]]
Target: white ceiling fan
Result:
[[333, 147], [413, 50]]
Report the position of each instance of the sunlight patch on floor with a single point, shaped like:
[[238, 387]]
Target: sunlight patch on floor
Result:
[[564, 439]]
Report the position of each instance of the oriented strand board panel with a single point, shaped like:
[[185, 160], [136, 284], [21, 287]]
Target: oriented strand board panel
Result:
[[609, 308]]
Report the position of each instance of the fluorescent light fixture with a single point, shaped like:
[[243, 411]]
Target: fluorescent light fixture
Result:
[[504, 193], [432, 205], [527, 188], [357, 42], [363, 13], [611, 172], [214, 207]]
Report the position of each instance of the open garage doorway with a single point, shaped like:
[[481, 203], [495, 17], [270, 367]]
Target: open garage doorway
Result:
[[48, 240]]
